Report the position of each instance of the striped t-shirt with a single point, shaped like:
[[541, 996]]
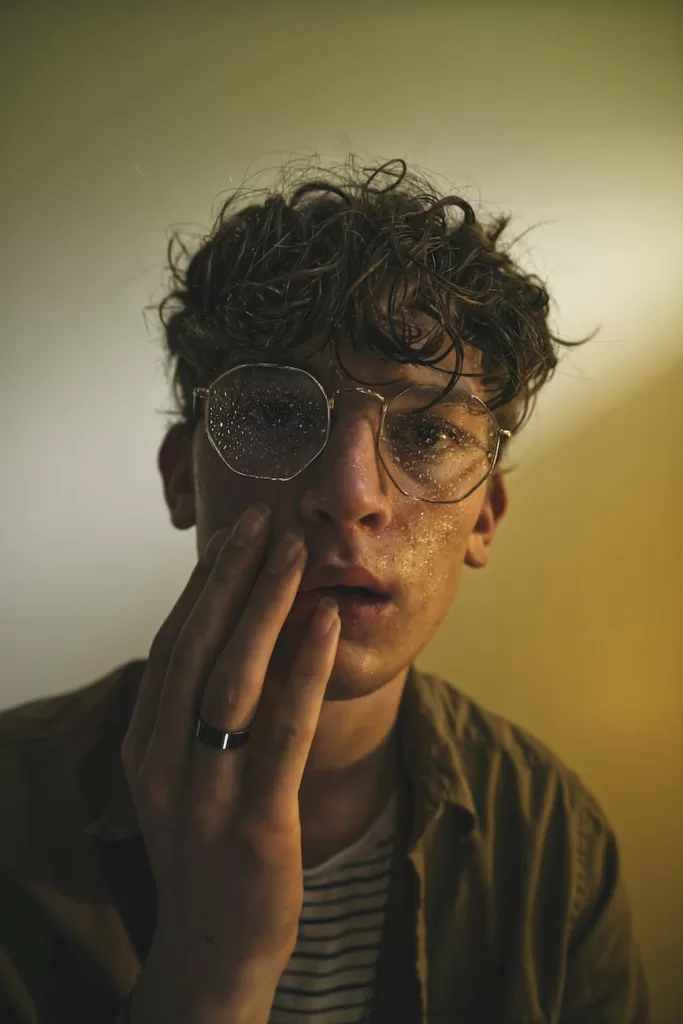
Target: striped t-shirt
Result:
[[330, 976]]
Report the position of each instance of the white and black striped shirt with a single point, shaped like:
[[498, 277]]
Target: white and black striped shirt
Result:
[[330, 977]]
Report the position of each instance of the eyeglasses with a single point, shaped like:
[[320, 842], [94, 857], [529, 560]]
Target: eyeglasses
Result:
[[269, 422]]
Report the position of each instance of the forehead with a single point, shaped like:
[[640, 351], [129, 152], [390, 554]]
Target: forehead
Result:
[[369, 367]]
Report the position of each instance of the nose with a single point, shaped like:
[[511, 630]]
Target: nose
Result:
[[346, 485]]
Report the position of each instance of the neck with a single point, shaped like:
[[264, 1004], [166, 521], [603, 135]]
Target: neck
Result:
[[351, 771]]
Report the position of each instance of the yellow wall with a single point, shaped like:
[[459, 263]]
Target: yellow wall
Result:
[[574, 631]]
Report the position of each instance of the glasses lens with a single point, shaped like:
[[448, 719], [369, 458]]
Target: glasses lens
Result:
[[442, 452], [267, 422]]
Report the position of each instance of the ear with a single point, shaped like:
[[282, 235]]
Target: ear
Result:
[[175, 464], [492, 511]]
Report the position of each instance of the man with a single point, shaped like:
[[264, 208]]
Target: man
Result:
[[275, 817]]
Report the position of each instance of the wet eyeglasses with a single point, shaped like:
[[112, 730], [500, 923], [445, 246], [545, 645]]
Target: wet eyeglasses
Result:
[[269, 422]]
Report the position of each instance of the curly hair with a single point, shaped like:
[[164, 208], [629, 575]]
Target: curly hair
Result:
[[358, 250]]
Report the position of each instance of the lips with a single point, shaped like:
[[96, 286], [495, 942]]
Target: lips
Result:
[[350, 579], [360, 609]]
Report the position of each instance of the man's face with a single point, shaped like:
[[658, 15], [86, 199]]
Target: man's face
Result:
[[352, 514]]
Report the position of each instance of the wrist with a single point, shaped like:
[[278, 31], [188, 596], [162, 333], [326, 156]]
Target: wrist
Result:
[[167, 992]]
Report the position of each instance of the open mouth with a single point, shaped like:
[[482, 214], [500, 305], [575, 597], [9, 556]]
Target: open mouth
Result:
[[356, 604], [359, 593]]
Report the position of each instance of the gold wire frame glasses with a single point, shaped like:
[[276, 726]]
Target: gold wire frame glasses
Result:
[[214, 391]]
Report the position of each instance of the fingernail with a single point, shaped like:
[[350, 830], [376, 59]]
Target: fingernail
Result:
[[250, 525], [325, 616]]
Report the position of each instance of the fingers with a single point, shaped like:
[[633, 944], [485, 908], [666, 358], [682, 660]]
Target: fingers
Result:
[[235, 685], [224, 629], [144, 714], [233, 690], [201, 639], [278, 750]]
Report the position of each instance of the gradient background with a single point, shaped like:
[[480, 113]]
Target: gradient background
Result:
[[122, 119]]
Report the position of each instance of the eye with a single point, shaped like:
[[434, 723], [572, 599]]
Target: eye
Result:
[[282, 414], [426, 433], [275, 412]]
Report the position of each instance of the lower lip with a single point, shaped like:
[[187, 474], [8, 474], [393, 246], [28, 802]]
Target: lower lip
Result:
[[351, 605]]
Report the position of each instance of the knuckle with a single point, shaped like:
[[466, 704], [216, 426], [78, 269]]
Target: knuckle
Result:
[[224, 702], [286, 732], [252, 627], [185, 661], [154, 791], [309, 668]]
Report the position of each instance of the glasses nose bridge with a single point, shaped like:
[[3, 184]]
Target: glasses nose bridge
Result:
[[377, 427], [331, 399]]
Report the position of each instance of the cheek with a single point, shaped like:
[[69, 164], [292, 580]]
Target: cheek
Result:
[[429, 552], [221, 495]]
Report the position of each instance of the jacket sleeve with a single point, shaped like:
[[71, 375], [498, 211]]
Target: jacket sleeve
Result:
[[25, 952], [40, 981], [605, 982]]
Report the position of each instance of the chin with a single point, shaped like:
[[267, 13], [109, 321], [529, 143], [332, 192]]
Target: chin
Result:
[[355, 673], [376, 643], [360, 667]]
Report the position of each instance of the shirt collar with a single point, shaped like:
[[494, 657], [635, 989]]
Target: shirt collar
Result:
[[432, 724]]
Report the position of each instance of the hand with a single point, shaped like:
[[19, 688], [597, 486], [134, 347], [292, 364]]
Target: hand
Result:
[[222, 828]]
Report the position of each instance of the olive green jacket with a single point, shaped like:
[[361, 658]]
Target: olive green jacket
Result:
[[506, 901]]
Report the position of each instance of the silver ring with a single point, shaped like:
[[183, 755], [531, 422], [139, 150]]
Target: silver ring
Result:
[[218, 739]]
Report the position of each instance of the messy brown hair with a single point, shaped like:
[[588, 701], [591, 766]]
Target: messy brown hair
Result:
[[355, 250]]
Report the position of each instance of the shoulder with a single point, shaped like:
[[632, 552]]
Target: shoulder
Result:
[[56, 756], [522, 792], [53, 720], [531, 808]]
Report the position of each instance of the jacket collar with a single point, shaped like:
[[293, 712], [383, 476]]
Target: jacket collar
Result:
[[432, 725]]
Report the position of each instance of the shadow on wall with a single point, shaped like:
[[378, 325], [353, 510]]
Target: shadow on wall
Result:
[[573, 631]]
